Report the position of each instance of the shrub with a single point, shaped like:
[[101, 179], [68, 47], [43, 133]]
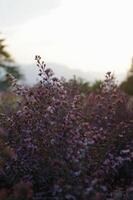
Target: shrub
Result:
[[68, 146]]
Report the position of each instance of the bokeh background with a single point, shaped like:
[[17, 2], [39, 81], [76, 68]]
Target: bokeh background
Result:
[[75, 37]]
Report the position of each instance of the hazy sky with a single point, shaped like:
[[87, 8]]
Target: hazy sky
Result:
[[83, 34]]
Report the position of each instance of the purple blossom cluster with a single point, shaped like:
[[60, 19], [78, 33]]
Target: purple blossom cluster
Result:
[[65, 145]]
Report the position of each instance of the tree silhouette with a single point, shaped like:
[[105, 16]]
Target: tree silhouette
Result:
[[7, 66], [81, 86], [127, 85]]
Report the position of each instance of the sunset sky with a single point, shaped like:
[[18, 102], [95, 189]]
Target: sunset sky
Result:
[[82, 34]]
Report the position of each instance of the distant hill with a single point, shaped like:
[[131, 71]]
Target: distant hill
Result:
[[31, 73]]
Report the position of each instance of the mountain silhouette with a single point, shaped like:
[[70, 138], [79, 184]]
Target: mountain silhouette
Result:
[[31, 73]]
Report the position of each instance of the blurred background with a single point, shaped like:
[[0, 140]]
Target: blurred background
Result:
[[84, 38]]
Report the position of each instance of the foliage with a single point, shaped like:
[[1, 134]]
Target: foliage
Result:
[[79, 86], [8, 102], [67, 146], [96, 86], [127, 85], [7, 66]]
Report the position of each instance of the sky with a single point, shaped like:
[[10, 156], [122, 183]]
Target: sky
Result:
[[94, 35]]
